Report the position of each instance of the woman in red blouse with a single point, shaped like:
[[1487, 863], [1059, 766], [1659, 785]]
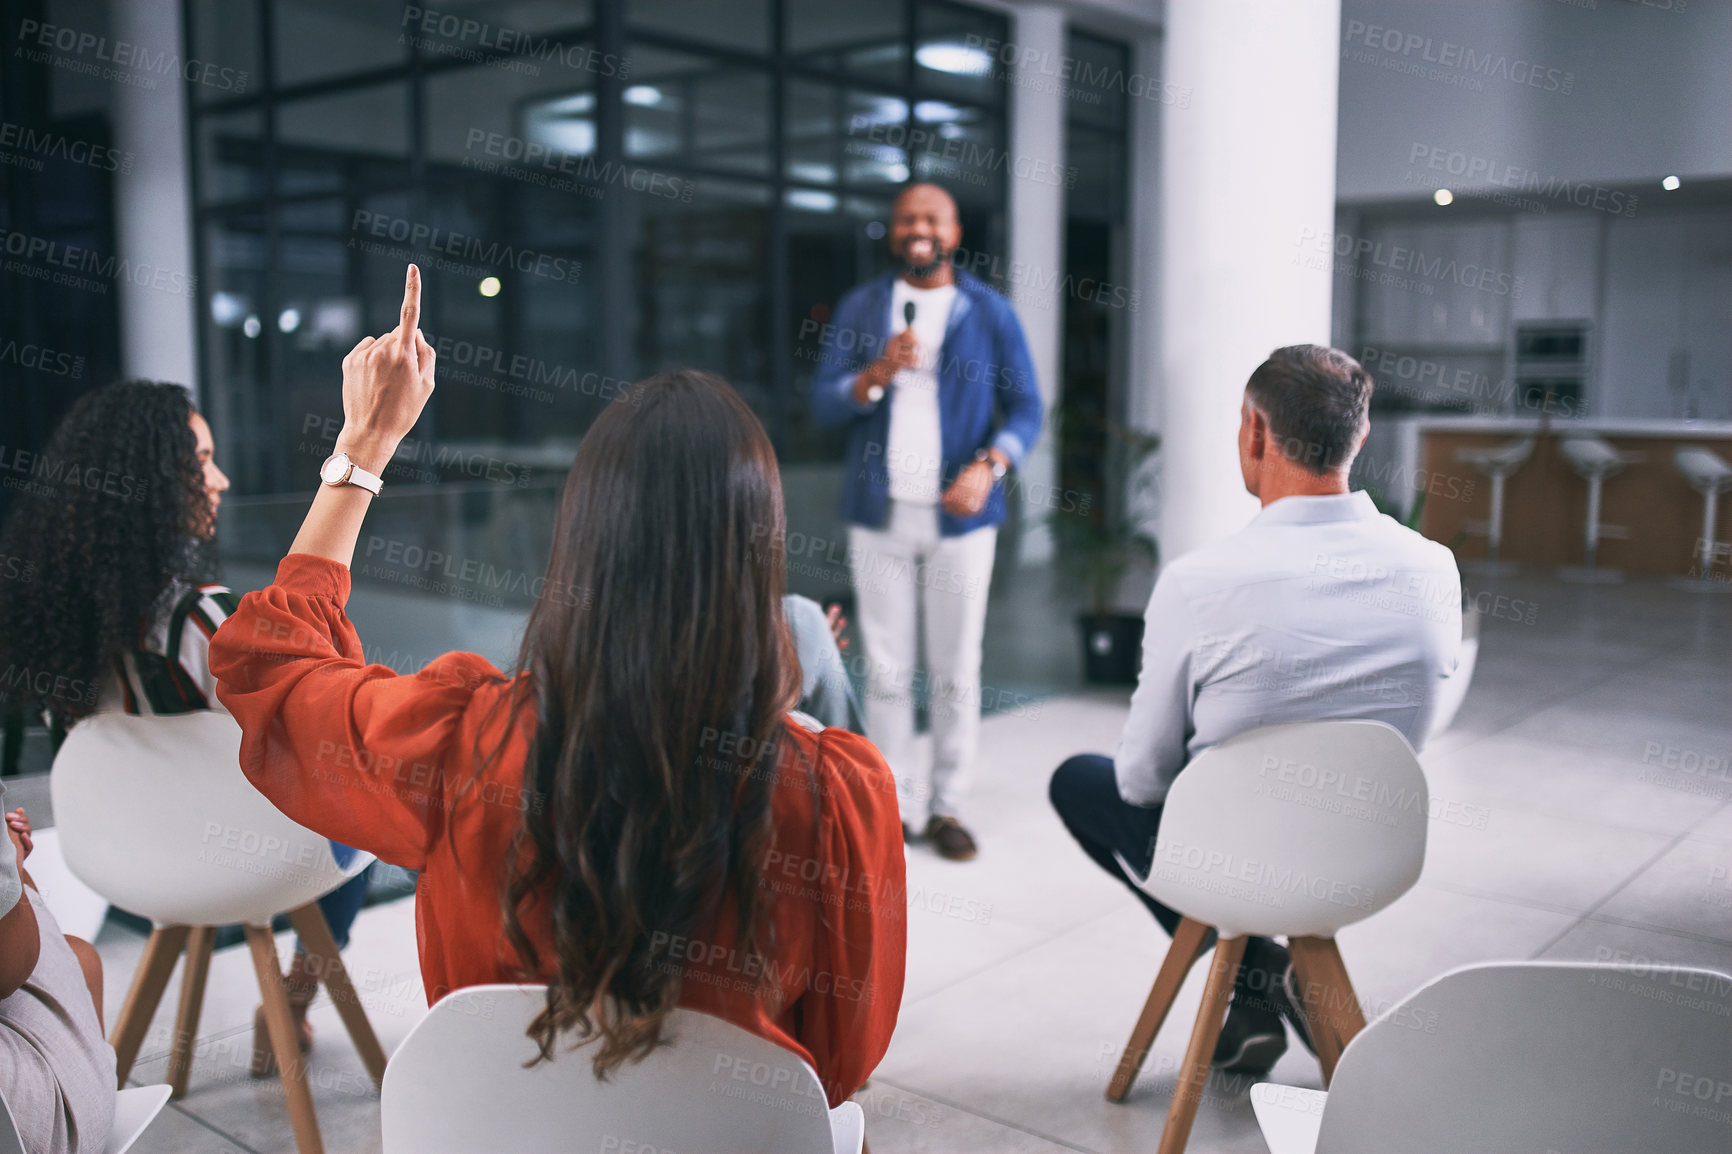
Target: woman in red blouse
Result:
[[634, 818]]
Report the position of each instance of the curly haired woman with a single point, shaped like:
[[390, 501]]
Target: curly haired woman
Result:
[[117, 525]]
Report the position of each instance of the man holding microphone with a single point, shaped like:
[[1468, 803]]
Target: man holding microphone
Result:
[[945, 409]]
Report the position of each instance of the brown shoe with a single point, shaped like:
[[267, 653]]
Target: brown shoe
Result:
[[953, 842]]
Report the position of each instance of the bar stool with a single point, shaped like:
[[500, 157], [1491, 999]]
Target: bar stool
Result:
[[1709, 475], [1253, 840], [1496, 462], [1594, 459]]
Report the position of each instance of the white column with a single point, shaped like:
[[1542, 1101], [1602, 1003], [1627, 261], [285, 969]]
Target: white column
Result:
[[152, 209], [1037, 237], [1247, 185]]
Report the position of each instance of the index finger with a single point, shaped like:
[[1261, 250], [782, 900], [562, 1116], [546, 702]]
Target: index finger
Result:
[[411, 307]]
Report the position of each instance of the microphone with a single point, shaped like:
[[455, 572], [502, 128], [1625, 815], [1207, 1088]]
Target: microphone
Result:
[[908, 313]]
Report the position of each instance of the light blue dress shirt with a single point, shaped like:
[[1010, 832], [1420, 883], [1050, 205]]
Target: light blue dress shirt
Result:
[[1320, 608]]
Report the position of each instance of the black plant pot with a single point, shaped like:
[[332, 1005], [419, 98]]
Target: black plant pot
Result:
[[1112, 648]]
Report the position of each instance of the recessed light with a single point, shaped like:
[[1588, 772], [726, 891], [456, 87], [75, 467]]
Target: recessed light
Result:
[[1443, 196], [489, 286], [1670, 184]]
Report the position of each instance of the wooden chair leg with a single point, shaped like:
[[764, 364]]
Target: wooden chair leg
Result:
[[192, 979], [1327, 999], [325, 961], [285, 1042], [1188, 945], [1194, 1073], [154, 968]]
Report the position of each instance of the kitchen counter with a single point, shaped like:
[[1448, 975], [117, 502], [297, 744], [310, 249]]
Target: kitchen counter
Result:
[[1650, 519]]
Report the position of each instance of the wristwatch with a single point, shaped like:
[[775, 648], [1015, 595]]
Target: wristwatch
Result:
[[999, 468], [339, 470], [874, 394]]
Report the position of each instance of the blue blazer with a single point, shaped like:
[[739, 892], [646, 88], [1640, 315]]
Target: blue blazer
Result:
[[987, 394]]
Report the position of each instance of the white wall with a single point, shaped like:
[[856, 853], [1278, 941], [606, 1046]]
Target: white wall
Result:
[[1649, 90]]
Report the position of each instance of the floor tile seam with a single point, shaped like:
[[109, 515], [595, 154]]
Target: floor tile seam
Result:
[[1620, 888], [185, 1112], [1053, 936], [972, 1112]]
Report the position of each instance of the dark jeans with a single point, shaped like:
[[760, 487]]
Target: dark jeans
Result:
[[1086, 795], [342, 905]]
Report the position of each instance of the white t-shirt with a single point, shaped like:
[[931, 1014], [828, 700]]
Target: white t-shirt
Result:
[[914, 451]]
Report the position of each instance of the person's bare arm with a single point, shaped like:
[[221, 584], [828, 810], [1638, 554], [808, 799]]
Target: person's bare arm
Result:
[[386, 383], [20, 941]]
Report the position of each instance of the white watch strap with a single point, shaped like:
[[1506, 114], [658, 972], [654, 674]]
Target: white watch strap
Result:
[[371, 482]]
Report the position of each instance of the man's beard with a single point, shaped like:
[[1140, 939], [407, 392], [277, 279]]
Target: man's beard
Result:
[[923, 271]]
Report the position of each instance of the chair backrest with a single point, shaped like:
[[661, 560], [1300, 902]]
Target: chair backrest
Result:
[[155, 815], [1293, 829], [1538, 1057], [457, 1086]]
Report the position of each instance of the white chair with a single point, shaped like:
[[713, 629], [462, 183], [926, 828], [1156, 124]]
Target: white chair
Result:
[[457, 1085], [134, 1109], [1709, 475], [1496, 462], [1527, 1058], [1295, 830], [1453, 691], [1595, 459], [155, 815], [79, 909]]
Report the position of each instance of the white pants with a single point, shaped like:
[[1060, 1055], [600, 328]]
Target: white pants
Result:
[[902, 573]]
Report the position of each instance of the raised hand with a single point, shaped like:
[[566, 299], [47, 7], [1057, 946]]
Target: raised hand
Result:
[[386, 383]]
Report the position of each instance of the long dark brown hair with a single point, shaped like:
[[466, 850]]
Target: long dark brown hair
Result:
[[110, 524], [659, 629]]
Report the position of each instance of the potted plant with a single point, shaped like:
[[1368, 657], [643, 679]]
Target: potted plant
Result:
[[1102, 538]]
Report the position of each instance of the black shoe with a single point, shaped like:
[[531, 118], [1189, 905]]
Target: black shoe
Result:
[[1251, 1042]]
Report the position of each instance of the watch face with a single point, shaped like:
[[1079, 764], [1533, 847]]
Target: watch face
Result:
[[331, 472]]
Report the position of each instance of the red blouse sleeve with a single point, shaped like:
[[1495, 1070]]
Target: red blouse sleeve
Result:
[[353, 751], [849, 1010]]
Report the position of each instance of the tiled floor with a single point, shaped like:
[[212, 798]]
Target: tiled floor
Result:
[[1594, 742]]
